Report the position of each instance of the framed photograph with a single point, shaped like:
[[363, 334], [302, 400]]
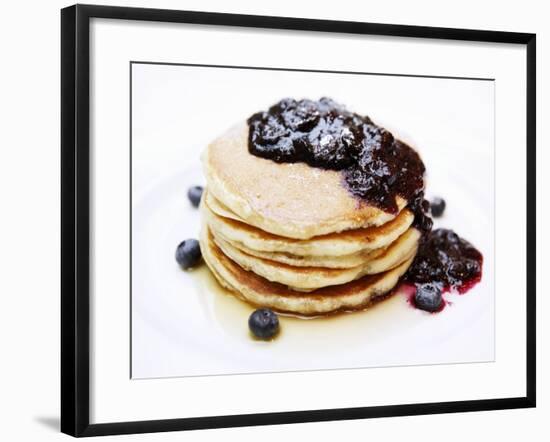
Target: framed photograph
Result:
[[273, 220]]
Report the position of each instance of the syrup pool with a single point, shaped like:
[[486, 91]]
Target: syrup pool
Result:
[[230, 316]]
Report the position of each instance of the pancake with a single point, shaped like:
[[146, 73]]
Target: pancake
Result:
[[293, 200], [258, 291], [310, 278], [331, 262], [216, 207], [235, 230]]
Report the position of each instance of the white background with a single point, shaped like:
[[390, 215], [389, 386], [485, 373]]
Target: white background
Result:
[[30, 236]]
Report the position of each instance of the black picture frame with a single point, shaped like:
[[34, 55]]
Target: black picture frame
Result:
[[75, 225]]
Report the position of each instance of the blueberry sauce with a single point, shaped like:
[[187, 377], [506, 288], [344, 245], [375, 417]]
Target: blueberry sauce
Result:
[[446, 259], [375, 166]]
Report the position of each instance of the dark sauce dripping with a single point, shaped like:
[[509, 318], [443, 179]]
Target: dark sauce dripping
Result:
[[447, 259], [376, 167]]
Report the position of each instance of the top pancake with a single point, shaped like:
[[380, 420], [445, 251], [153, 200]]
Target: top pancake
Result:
[[293, 200]]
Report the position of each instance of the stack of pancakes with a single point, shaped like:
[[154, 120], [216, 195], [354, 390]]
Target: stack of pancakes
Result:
[[292, 238]]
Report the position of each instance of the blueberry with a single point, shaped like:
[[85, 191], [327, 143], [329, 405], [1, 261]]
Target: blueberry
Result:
[[438, 207], [263, 323], [188, 253], [428, 297], [194, 194]]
